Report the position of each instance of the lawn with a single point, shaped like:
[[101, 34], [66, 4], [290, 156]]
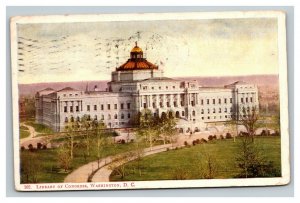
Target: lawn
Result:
[[190, 161], [40, 128], [23, 133], [48, 167]]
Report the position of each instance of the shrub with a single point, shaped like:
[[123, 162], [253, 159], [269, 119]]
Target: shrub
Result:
[[185, 143], [221, 137], [215, 137], [210, 137], [39, 145], [44, 147], [30, 146], [203, 140], [228, 136], [22, 148], [122, 141], [168, 149]]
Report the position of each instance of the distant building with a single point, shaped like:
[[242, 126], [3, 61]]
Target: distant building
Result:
[[137, 85]]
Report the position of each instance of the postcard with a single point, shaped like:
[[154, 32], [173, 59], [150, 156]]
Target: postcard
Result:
[[150, 100]]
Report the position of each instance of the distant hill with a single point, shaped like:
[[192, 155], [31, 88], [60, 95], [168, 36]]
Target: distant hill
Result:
[[263, 81]]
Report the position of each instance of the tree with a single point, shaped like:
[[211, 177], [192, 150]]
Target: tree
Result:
[[64, 158], [86, 126], [208, 167], [72, 128], [167, 126], [147, 127], [251, 161], [247, 118], [98, 129]]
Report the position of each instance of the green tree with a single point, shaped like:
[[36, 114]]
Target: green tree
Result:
[[166, 126], [64, 158], [147, 127], [30, 167]]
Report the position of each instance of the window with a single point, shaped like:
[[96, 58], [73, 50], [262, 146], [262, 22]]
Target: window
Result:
[[128, 105], [95, 117], [173, 87], [246, 99], [102, 117], [116, 106], [108, 106], [208, 117], [167, 87], [202, 101], [181, 103], [77, 119], [71, 108], [230, 100], [202, 118], [65, 95], [77, 108], [145, 106], [160, 104], [65, 109], [225, 110], [116, 116], [88, 107], [214, 101], [159, 88], [153, 105], [102, 107], [242, 100], [70, 95], [122, 106], [251, 99], [66, 120], [128, 115], [193, 103], [175, 103], [207, 101], [220, 110], [109, 116], [202, 111], [214, 110], [182, 113], [219, 101], [152, 88], [95, 107], [225, 101], [168, 104], [194, 113], [122, 116], [208, 111]]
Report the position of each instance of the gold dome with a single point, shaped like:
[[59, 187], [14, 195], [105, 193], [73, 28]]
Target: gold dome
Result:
[[136, 48]]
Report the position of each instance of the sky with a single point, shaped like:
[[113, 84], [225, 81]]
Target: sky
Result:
[[64, 52]]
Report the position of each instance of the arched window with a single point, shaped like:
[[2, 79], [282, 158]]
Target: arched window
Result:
[[202, 111], [66, 119], [72, 119], [214, 110], [225, 110], [220, 110], [128, 115], [116, 116], [109, 116], [194, 113], [77, 119], [122, 116]]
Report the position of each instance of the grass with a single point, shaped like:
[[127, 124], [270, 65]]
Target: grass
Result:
[[23, 128], [24, 133], [190, 161], [40, 128], [48, 160]]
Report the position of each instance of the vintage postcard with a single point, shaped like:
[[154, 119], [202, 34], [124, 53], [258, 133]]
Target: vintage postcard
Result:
[[136, 101]]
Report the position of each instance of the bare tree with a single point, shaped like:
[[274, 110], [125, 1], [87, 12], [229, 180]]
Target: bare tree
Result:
[[248, 118], [86, 126], [72, 128]]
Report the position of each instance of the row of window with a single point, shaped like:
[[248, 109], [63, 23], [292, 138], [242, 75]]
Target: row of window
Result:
[[95, 107], [109, 117], [159, 87]]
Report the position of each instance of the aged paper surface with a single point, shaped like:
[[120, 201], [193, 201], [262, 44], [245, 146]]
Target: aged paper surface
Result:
[[132, 101]]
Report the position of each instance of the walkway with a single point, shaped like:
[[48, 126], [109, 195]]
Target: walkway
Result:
[[102, 173]]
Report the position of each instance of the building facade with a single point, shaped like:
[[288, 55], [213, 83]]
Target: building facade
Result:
[[137, 85]]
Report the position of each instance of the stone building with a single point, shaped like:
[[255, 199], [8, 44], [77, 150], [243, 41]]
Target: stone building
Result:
[[137, 85]]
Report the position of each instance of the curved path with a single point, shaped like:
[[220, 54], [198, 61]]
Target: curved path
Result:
[[32, 139], [102, 173]]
